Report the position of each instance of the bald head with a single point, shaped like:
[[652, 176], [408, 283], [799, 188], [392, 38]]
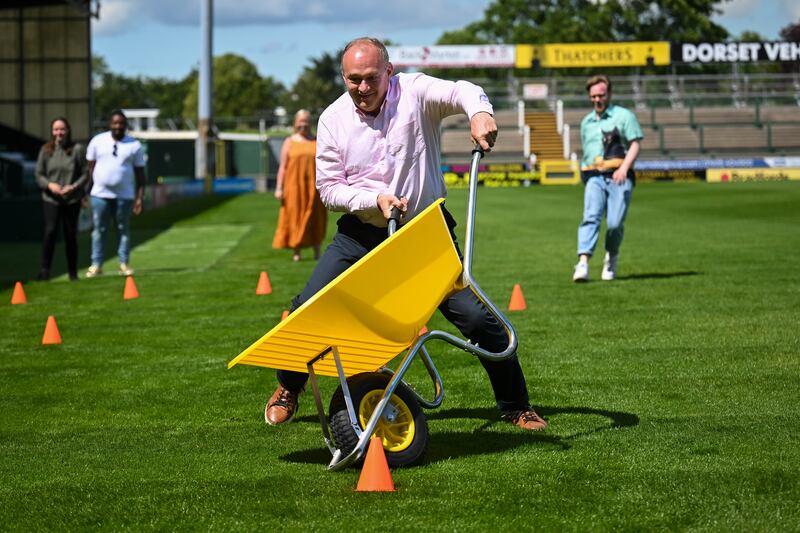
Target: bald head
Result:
[[366, 71]]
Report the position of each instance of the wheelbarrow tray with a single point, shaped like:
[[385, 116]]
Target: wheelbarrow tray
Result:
[[371, 312]]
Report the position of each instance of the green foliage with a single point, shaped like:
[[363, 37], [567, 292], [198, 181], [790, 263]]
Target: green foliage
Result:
[[238, 90], [568, 21], [671, 393], [575, 21], [318, 85], [791, 32], [114, 91]]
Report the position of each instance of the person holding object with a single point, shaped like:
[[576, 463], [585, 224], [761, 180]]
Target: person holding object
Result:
[[61, 174], [611, 137], [302, 219], [116, 172], [378, 148]]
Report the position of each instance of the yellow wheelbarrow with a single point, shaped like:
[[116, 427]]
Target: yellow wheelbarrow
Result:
[[363, 319]]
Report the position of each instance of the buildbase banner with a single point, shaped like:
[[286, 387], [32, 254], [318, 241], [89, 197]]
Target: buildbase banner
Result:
[[453, 56], [775, 51], [724, 175]]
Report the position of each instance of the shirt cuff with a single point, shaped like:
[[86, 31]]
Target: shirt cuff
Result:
[[367, 200]]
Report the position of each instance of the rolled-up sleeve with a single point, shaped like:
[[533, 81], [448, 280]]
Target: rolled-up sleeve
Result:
[[334, 190]]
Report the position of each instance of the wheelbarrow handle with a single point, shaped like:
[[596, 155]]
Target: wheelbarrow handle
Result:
[[394, 220], [466, 275]]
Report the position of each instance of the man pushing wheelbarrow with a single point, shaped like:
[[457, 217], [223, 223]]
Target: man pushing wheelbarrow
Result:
[[378, 150]]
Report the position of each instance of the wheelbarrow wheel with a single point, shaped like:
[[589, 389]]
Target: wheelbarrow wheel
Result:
[[403, 428]]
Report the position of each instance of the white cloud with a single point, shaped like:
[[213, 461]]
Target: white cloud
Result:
[[116, 16], [377, 16], [793, 7], [739, 8]]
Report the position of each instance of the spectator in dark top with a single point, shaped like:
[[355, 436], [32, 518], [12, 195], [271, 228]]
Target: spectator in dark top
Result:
[[61, 174]]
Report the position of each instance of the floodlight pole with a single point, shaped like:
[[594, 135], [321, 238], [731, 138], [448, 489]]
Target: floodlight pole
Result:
[[204, 117]]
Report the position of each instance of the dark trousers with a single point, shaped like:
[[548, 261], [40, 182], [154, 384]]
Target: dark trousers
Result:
[[66, 216], [352, 242]]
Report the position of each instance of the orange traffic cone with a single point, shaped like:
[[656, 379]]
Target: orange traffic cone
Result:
[[423, 331], [51, 334], [375, 476], [131, 291], [19, 295], [284, 314], [264, 286], [517, 302]]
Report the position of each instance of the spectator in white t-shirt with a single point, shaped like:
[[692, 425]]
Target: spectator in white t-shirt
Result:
[[116, 174]]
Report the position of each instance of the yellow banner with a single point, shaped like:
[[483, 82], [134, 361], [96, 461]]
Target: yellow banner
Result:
[[577, 55], [724, 175]]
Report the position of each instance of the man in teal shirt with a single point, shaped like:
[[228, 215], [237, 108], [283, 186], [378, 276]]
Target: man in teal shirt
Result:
[[610, 136]]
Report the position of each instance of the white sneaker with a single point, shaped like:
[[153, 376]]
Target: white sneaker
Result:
[[94, 271], [609, 267], [125, 270], [581, 272]]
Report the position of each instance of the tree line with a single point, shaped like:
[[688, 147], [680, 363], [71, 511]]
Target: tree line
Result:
[[240, 91]]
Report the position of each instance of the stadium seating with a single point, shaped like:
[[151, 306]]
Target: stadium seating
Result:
[[711, 131]]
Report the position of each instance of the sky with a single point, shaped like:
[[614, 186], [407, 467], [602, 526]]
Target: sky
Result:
[[161, 38]]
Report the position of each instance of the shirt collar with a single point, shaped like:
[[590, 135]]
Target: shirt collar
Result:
[[607, 112]]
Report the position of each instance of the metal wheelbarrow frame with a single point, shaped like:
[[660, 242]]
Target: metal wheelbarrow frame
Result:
[[320, 361]]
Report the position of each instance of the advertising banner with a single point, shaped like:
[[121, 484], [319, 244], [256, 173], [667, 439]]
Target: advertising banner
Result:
[[535, 91], [578, 55], [724, 175], [454, 56], [700, 164], [775, 51], [644, 176]]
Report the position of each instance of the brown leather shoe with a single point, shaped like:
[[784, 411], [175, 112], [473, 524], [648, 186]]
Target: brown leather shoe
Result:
[[281, 407], [525, 419]]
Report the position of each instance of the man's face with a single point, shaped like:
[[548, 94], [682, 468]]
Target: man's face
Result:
[[118, 126], [366, 77], [600, 96]]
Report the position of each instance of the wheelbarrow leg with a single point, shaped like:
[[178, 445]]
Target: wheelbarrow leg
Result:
[[323, 420], [338, 463]]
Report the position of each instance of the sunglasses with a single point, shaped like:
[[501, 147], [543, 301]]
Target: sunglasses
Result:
[[114, 153]]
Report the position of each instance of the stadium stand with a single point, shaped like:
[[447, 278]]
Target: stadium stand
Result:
[[701, 116], [707, 131], [456, 144], [744, 115]]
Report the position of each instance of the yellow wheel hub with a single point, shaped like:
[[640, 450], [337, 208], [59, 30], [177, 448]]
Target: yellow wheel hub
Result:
[[396, 427]]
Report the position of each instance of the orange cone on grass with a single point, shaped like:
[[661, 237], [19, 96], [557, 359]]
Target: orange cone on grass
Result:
[[51, 334], [284, 315], [264, 286], [517, 302], [131, 291], [19, 295], [375, 475], [423, 331]]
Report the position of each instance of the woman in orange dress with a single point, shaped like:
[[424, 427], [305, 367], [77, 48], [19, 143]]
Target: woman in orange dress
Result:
[[302, 219]]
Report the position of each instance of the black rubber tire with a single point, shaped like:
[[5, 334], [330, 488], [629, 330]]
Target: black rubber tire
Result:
[[346, 439]]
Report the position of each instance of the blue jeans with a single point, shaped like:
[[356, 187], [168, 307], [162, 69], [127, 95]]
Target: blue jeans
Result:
[[102, 211], [602, 195]]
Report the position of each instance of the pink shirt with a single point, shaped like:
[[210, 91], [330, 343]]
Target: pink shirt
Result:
[[395, 152]]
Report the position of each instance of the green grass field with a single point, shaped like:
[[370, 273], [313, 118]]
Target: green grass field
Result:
[[673, 393]]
